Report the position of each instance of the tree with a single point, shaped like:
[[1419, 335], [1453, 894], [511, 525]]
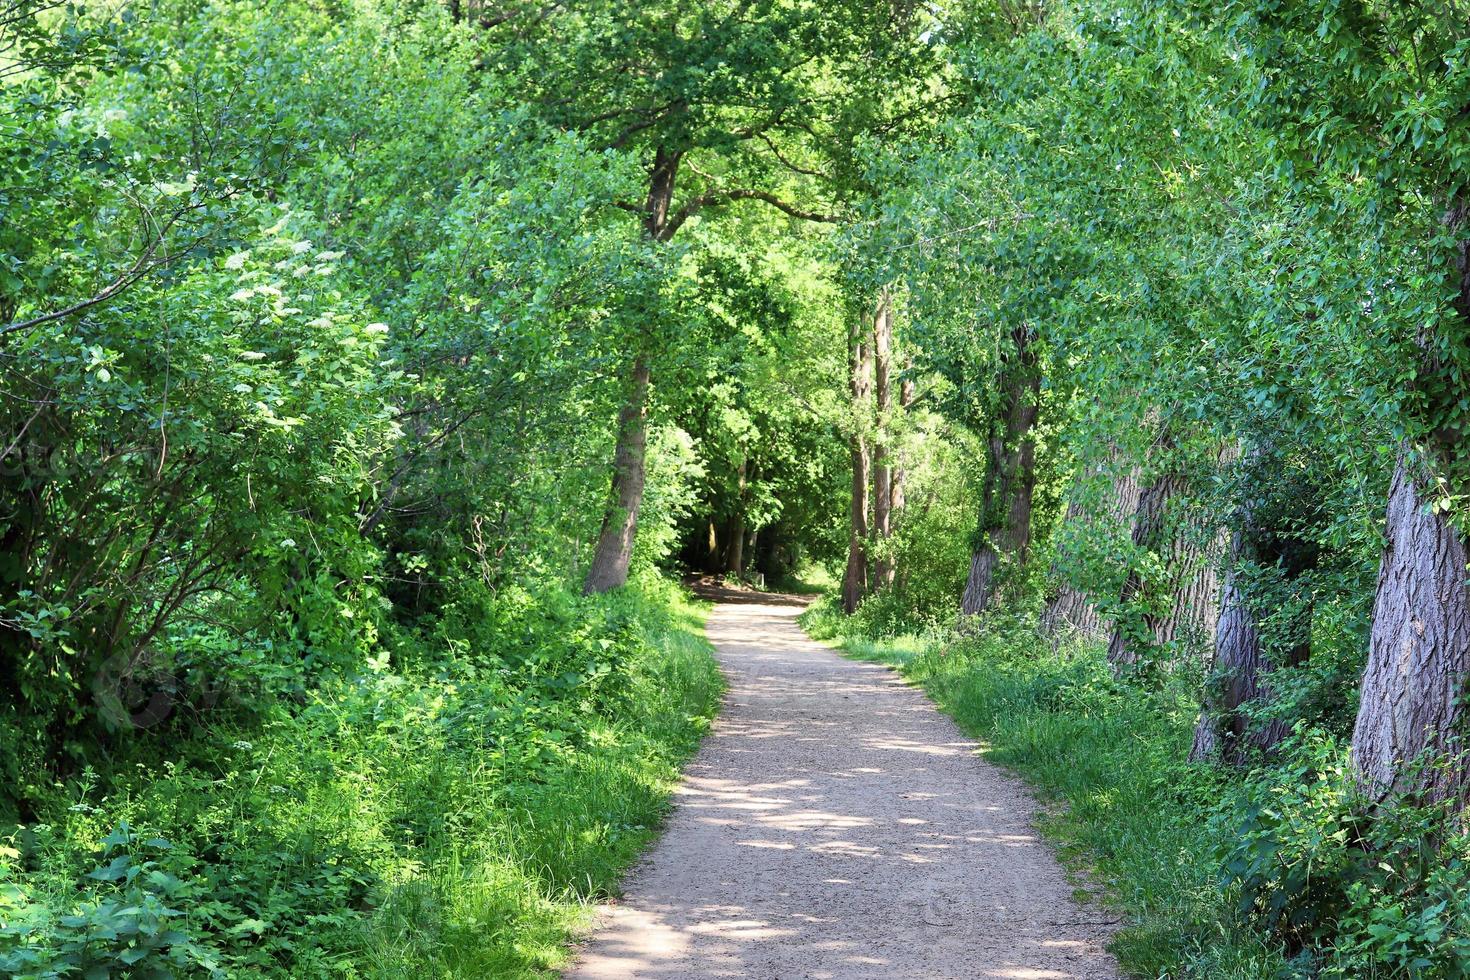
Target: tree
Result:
[[1091, 516], [882, 571], [855, 579], [1389, 84], [1265, 616], [728, 98], [1174, 591], [1004, 527]]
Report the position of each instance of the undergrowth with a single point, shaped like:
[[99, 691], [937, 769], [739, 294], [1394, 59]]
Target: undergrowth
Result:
[[440, 815]]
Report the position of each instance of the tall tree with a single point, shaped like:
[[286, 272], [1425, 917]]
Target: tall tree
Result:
[[725, 102], [855, 578], [1071, 608], [1389, 83], [882, 528], [1003, 533], [1265, 612], [1170, 595]]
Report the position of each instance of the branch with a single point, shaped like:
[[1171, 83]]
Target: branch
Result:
[[651, 117], [139, 269], [694, 205], [785, 162]]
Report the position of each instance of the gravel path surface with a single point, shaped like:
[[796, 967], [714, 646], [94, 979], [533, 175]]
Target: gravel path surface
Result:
[[835, 824]]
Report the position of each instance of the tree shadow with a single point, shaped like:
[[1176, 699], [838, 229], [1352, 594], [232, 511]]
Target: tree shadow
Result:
[[713, 589]]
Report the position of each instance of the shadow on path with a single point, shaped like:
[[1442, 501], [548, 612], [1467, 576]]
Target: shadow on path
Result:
[[836, 825], [714, 590]]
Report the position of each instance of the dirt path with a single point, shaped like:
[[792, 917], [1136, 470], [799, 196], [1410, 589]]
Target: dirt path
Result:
[[836, 825]]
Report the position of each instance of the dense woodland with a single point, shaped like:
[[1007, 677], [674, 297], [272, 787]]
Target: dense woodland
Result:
[[374, 369]]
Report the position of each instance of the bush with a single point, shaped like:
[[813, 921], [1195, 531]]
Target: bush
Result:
[[435, 814], [1356, 889], [126, 923]]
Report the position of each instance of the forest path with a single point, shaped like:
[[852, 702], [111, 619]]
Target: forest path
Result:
[[835, 824]]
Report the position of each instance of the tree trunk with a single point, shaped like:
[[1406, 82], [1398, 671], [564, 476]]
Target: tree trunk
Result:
[[1220, 730], [711, 561], [1150, 531], [1241, 675], [735, 539], [1241, 667], [882, 470], [855, 580], [1181, 610], [900, 475], [900, 479], [1070, 610], [735, 546], [1195, 612], [1418, 651], [614, 551], [1419, 646], [609, 568], [1004, 531]]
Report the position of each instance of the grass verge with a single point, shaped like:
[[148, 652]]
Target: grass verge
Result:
[[507, 903], [450, 816], [1127, 809]]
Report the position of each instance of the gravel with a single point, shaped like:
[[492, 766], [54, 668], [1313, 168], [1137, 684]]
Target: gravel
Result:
[[836, 825]]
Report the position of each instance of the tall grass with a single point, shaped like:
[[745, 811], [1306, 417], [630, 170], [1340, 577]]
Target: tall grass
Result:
[[506, 903]]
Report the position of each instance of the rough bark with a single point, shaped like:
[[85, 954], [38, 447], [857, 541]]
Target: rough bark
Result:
[[609, 568], [1242, 675], [855, 579], [1150, 530], [1004, 531], [1270, 552], [1241, 667], [1238, 660], [1194, 614], [1406, 738], [900, 475], [1418, 652], [1069, 609], [1190, 550], [614, 552], [883, 406]]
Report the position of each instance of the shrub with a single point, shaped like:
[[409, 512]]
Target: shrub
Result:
[[1357, 889], [471, 802]]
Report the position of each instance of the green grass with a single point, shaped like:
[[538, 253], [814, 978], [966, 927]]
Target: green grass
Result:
[[809, 579], [433, 821], [1127, 814], [507, 903]]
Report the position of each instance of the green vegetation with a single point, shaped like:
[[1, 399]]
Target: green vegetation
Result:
[[369, 368], [448, 819]]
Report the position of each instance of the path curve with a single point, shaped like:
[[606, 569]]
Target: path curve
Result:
[[835, 825]]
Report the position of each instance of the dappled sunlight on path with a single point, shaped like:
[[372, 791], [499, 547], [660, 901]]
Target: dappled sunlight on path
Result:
[[835, 825]]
